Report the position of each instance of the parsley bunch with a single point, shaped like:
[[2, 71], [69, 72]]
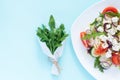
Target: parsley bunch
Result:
[[52, 36]]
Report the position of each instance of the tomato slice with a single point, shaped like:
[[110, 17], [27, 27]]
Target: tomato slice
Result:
[[85, 42], [100, 50], [110, 9], [116, 59]]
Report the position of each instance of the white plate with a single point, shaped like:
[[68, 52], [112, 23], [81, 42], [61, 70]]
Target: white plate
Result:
[[81, 23]]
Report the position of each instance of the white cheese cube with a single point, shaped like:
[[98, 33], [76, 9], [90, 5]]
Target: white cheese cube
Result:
[[114, 42], [110, 37], [107, 21], [108, 53], [103, 38], [104, 45], [115, 47], [115, 19], [112, 31], [118, 27], [100, 28]]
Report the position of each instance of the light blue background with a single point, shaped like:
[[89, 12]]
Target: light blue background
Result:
[[21, 57]]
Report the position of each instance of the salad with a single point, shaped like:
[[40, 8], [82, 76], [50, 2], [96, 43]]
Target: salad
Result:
[[102, 39]]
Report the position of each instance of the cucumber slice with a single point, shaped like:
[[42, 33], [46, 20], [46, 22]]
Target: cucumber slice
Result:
[[93, 53]]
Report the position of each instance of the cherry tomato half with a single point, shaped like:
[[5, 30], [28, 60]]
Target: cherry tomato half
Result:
[[100, 50], [110, 9], [85, 42], [116, 59]]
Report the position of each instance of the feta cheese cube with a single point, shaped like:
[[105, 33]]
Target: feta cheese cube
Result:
[[115, 19], [107, 21], [118, 27], [104, 45], [110, 37], [100, 28], [112, 31], [115, 47], [103, 38], [108, 53], [114, 42]]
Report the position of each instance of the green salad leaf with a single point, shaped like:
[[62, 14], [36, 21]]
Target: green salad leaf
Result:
[[97, 64], [96, 22], [52, 36], [92, 35], [101, 15], [112, 14]]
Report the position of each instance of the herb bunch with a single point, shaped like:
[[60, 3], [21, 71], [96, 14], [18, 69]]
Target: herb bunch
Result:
[[52, 36]]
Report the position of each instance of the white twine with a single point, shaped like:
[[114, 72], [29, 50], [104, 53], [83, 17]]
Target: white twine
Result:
[[55, 67], [53, 57]]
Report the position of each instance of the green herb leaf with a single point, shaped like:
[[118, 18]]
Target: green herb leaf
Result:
[[101, 15], [94, 22], [53, 37], [52, 22], [62, 27], [97, 64], [92, 35], [113, 14]]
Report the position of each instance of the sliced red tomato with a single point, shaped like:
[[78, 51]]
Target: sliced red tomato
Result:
[[100, 50], [110, 9], [85, 42], [116, 59]]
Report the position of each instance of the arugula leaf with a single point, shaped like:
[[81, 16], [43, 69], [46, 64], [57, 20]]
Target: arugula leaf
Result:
[[94, 22], [62, 26], [97, 64], [53, 37], [52, 22], [101, 15], [92, 35], [113, 14]]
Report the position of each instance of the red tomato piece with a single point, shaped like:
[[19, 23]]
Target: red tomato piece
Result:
[[100, 50], [116, 59], [85, 42], [110, 9]]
